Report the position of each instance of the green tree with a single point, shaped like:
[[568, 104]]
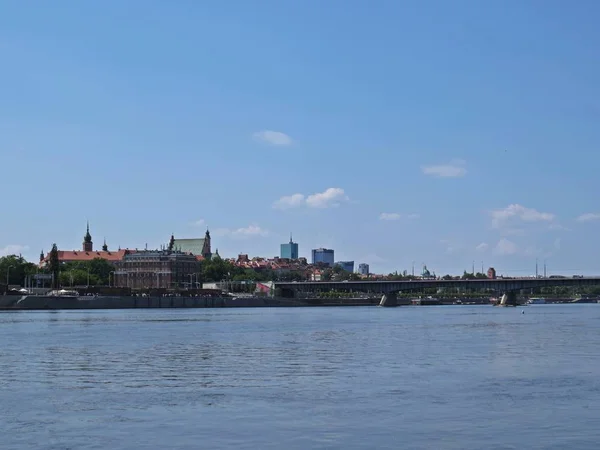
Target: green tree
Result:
[[77, 277], [16, 268], [217, 269], [326, 275], [99, 270], [54, 266]]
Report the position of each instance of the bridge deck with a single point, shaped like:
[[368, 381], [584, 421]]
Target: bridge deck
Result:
[[498, 285]]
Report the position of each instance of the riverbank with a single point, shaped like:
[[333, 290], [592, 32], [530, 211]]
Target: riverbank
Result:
[[32, 302]]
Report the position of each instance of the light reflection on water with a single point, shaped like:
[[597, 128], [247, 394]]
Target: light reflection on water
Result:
[[417, 377]]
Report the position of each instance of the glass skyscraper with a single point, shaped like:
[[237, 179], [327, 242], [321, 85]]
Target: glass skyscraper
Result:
[[348, 266], [322, 255], [289, 250]]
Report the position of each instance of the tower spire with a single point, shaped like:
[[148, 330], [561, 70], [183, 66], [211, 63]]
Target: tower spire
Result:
[[291, 241], [88, 245]]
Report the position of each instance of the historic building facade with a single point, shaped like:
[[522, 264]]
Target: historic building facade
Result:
[[199, 247], [87, 252], [162, 269]]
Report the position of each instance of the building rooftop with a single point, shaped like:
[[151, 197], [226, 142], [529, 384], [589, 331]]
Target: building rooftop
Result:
[[79, 255]]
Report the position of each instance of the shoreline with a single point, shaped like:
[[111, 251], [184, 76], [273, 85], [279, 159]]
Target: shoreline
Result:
[[45, 303]]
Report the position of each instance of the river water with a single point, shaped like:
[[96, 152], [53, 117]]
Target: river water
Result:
[[456, 377]]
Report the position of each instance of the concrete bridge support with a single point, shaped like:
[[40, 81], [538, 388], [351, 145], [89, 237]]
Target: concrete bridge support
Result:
[[390, 299], [509, 299]]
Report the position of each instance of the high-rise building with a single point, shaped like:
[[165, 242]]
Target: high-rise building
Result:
[[363, 269], [348, 266], [323, 255], [289, 250]]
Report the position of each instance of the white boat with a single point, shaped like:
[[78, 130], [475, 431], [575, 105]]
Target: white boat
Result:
[[536, 301], [63, 293]]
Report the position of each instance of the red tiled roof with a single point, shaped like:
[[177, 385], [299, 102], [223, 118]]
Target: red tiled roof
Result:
[[79, 255]]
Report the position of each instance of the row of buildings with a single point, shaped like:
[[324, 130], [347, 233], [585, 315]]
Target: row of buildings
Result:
[[323, 256], [173, 265], [176, 264]]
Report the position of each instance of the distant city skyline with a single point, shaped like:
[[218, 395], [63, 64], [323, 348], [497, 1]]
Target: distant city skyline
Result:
[[432, 135]]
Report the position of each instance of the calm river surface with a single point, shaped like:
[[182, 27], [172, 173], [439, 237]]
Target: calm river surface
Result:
[[456, 377]]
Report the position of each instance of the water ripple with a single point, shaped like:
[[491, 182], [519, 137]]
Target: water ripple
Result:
[[464, 377]]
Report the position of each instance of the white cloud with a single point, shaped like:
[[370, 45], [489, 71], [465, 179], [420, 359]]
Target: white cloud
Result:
[[289, 201], [273, 137], [482, 247], [512, 232], [331, 197], [588, 217], [451, 246], [557, 227], [245, 232], [13, 249], [389, 216], [515, 211], [252, 230], [505, 247], [199, 223], [397, 216], [454, 169]]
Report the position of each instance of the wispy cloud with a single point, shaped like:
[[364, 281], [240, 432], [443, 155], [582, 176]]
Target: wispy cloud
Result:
[[397, 216], [13, 249], [199, 223], [244, 232], [501, 217], [289, 201], [482, 247], [505, 247], [558, 227], [276, 138], [389, 216], [329, 198], [454, 169], [588, 217], [451, 245]]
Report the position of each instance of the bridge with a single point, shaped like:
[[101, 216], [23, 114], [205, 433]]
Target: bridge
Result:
[[508, 286]]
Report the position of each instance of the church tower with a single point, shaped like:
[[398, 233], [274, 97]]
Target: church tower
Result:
[[88, 245], [105, 247], [206, 246]]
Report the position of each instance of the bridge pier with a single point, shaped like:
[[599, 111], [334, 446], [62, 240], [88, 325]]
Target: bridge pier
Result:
[[390, 299], [509, 299]]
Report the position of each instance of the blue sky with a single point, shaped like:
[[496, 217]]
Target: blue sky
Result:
[[426, 131]]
